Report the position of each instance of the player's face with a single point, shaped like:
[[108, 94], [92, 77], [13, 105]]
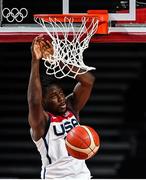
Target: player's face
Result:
[[56, 100]]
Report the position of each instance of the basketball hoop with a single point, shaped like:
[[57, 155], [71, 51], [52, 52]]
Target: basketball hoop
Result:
[[70, 35]]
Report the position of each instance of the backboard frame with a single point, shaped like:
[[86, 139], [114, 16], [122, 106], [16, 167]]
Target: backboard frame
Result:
[[112, 16], [1, 7], [130, 16]]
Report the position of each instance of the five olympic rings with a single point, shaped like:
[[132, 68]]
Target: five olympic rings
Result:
[[14, 14]]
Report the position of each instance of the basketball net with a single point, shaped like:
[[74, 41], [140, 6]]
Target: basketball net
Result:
[[69, 43]]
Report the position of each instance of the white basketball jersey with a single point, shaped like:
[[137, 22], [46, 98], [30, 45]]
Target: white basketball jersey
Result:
[[56, 162]]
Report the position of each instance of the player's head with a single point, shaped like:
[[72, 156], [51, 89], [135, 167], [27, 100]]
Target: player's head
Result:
[[54, 99]]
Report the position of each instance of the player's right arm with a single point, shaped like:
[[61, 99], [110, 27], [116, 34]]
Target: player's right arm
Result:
[[37, 117]]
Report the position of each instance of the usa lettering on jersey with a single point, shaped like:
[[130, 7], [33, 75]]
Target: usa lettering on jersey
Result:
[[64, 127]]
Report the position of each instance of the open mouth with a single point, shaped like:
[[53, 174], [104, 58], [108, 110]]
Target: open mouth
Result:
[[63, 106]]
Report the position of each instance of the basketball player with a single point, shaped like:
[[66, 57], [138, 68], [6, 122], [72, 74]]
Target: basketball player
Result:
[[52, 116]]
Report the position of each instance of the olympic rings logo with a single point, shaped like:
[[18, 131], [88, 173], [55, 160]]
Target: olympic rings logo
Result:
[[14, 14]]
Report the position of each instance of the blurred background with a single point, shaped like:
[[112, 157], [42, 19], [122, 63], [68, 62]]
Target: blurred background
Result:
[[116, 109]]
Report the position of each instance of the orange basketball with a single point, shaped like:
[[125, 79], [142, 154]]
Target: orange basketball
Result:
[[82, 142]]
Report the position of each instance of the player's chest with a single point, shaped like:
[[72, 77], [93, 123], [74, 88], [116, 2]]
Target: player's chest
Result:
[[62, 128]]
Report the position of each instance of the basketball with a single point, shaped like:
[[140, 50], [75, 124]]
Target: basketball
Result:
[[82, 142]]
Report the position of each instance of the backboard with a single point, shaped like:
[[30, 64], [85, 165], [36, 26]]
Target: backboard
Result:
[[127, 17]]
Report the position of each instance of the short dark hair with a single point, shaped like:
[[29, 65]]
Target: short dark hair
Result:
[[48, 81]]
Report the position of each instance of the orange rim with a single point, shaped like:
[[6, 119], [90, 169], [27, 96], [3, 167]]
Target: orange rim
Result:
[[102, 16], [60, 17]]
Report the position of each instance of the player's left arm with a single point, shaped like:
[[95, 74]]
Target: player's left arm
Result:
[[82, 91]]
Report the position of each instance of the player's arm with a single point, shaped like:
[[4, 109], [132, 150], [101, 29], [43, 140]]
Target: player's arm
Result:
[[82, 91], [37, 117]]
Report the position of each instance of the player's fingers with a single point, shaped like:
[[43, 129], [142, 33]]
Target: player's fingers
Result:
[[39, 38], [46, 55], [43, 43], [43, 46], [48, 43]]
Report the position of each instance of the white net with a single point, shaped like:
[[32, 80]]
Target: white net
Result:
[[69, 42]]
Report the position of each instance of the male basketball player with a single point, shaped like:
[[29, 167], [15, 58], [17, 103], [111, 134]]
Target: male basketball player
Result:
[[52, 116]]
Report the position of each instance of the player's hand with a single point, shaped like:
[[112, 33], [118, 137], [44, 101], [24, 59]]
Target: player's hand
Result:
[[36, 48], [41, 48], [46, 49]]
